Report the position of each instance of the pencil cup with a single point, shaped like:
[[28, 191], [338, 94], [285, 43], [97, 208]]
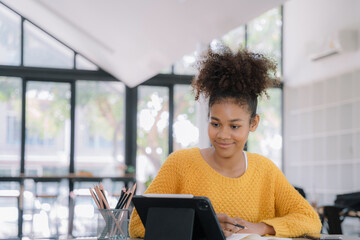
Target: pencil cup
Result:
[[113, 224]]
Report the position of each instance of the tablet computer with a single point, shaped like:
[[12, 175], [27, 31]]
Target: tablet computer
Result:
[[205, 223]]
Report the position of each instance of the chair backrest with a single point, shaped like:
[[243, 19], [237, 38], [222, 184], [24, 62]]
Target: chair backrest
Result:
[[301, 191], [349, 200], [332, 217]]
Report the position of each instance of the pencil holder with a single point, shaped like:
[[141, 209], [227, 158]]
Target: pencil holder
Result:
[[113, 224]]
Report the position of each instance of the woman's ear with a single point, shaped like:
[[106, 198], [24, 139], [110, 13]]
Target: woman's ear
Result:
[[254, 123]]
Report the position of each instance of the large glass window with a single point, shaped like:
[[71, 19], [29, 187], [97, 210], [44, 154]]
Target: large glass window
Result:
[[9, 196], [267, 139], [47, 146], [41, 50], [264, 35], [46, 210], [186, 65], [10, 32], [10, 127], [235, 39], [186, 132], [100, 128], [152, 131], [99, 135], [84, 64]]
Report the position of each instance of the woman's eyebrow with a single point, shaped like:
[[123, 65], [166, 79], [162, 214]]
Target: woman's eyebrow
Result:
[[232, 120]]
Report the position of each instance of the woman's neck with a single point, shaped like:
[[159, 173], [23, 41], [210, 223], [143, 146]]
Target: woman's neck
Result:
[[233, 166]]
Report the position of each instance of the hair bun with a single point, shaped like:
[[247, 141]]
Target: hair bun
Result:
[[244, 73]]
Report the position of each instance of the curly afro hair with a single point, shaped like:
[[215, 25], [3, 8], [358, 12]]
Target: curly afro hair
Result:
[[240, 77]]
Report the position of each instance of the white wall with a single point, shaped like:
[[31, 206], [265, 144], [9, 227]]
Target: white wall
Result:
[[308, 23], [321, 102]]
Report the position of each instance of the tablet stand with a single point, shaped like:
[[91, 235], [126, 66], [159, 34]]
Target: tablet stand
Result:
[[169, 223]]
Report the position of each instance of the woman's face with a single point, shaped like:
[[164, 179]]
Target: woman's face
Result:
[[229, 127]]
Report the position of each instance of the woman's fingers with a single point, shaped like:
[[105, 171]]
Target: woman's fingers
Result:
[[229, 227], [227, 233], [223, 217], [227, 223], [242, 223]]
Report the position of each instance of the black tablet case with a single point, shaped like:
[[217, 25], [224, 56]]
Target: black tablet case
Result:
[[178, 218]]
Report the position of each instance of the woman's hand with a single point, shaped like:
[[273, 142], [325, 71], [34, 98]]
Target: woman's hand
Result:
[[227, 224], [258, 228]]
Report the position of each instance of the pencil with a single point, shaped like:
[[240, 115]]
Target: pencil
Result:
[[131, 195]]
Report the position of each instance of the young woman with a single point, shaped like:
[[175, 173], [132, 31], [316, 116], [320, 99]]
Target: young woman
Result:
[[244, 188]]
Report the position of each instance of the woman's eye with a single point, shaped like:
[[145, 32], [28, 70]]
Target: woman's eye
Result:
[[214, 124], [235, 127]]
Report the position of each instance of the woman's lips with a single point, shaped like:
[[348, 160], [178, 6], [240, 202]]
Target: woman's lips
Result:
[[224, 145]]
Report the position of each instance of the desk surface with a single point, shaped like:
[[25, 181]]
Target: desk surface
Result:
[[323, 237]]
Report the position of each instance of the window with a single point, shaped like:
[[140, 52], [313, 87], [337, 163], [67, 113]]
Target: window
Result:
[[267, 139], [13, 129], [41, 50], [186, 132], [10, 32], [264, 35], [9, 192], [47, 128], [50, 129], [235, 39], [153, 127], [84, 64], [10, 117], [100, 128], [186, 65]]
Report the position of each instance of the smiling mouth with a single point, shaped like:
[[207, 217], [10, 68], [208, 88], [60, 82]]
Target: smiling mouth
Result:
[[224, 145]]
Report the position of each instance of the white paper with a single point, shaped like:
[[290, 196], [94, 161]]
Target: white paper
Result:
[[240, 236]]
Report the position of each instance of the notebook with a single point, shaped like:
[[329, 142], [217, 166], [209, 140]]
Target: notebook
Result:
[[240, 236]]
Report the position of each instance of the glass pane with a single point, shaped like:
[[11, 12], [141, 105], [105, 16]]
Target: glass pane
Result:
[[186, 65], [41, 50], [85, 210], [10, 127], [47, 128], [46, 210], [264, 35], [167, 70], [235, 39], [186, 132], [152, 132], [10, 32], [99, 128], [9, 193], [267, 139], [84, 64]]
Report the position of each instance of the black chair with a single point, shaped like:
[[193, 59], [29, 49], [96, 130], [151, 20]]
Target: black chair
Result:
[[301, 191], [331, 219], [350, 201]]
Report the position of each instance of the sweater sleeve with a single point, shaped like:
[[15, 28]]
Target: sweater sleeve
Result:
[[167, 181], [294, 215]]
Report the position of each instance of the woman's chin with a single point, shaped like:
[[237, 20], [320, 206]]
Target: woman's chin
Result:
[[225, 152]]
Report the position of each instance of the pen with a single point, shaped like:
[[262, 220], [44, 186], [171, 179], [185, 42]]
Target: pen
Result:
[[240, 226]]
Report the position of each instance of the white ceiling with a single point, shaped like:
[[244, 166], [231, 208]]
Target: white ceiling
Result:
[[135, 40]]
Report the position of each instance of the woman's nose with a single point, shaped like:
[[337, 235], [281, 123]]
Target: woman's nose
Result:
[[223, 133]]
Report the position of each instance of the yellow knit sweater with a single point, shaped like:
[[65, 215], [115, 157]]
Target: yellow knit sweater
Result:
[[262, 194]]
